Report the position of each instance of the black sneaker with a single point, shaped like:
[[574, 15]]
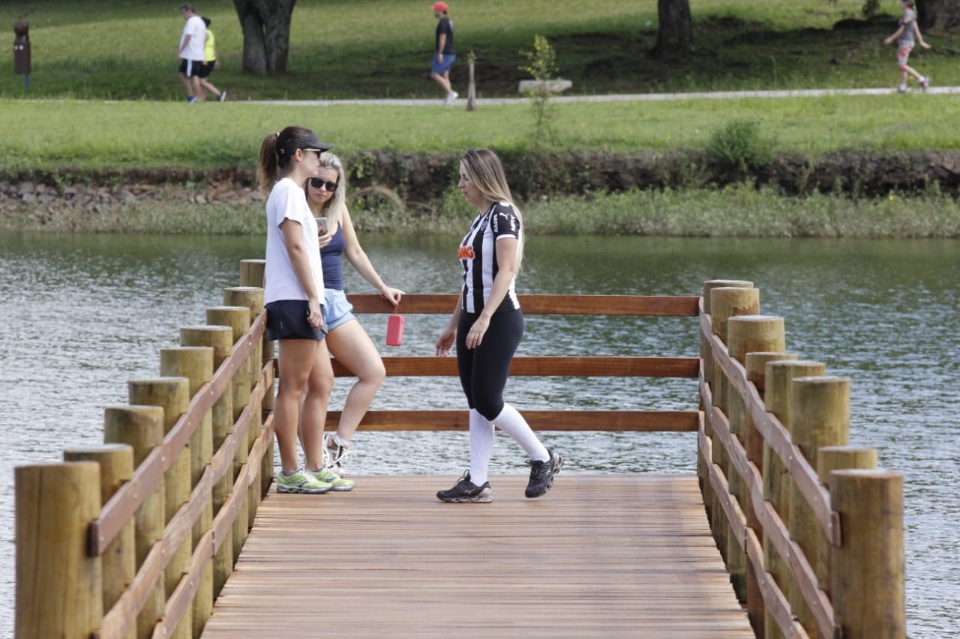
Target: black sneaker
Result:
[[541, 475], [467, 492]]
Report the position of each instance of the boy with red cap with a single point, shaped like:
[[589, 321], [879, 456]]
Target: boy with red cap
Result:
[[444, 56]]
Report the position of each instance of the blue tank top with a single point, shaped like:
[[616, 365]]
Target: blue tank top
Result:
[[331, 256]]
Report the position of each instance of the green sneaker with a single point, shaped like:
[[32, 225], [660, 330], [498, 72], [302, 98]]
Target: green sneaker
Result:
[[328, 476], [300, 481]]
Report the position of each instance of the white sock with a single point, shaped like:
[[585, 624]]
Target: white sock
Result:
[[512, 423], [481, 447]]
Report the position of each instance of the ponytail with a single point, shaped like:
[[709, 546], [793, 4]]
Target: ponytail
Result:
[[268, 166]]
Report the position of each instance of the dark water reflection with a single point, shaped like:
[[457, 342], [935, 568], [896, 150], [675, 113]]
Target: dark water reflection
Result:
[[84, 314]]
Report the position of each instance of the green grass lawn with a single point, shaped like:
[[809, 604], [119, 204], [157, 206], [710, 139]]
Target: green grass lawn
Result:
[[94, 135], [126, 50]]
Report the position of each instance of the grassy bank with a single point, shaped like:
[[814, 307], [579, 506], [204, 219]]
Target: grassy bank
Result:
[[115, 135], [381, 48], [737, 211]]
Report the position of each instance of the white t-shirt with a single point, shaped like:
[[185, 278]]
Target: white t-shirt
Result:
[[197, 30], [288, 201]]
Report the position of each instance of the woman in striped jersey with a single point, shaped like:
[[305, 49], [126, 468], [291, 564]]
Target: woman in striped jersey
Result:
[[487, 325]]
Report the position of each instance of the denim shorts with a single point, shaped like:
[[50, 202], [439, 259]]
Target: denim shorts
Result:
[[336, 309], [439, 68], [287, 319]]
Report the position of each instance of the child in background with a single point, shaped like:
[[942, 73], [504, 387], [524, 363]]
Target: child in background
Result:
[[906, 34]]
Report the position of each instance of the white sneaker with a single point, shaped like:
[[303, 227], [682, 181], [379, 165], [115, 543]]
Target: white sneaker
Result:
[[223, 96], [451, 97]]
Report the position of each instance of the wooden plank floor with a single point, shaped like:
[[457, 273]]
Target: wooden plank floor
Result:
[[601, 556]]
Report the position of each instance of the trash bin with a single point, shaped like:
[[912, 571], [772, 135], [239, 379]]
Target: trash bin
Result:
[[21, 48]]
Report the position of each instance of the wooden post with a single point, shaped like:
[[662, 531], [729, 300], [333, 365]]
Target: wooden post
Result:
[[829, 459], [252, 272], [196, 364], [706, 362], [776, 478], [726, 302], [119, 561], [59, 584], [220, 339], [756, 366], [238, 319], [141, 427], [819, 416], [252, 298], [471, 83], [173, 395], [746, 333], [868, 577]]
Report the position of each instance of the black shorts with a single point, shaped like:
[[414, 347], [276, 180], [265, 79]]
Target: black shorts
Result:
[[206, 69], [191, 68], [287, 319]]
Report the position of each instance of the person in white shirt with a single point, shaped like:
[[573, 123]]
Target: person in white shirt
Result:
[[191, 51], [293, 294]]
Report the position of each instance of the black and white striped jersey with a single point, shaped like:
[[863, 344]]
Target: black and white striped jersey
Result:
[[478, 256]]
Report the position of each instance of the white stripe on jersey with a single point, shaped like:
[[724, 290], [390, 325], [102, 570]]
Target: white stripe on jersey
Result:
[[478, 256]]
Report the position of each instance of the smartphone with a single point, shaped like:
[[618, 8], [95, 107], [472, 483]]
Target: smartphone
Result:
[[321, 226]]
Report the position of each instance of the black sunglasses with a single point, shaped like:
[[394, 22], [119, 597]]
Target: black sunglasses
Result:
[[318, 184]]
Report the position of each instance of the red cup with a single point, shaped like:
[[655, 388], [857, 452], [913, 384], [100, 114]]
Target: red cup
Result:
[[395, 330]]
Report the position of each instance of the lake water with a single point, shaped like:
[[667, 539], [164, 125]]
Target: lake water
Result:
[[84, 314]]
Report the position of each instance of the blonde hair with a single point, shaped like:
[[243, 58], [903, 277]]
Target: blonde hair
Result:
[[485, 170], [333, 208]]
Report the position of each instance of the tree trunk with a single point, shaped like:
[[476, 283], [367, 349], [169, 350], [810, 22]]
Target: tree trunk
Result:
[[675, 34], [938, 14], [266, 35]]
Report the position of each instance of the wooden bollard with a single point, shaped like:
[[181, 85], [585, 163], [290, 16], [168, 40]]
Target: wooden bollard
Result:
[[59, 584], [119, 560], [868, 568], [173, 395], [196, 364], [726, 302], [819, 416], [220, 337], [756, 366], [141, 427], [778, 378], [829, 459], [706, 357], [251, 272], [746, 333], [709, 285], [252, 298], [237, 317]]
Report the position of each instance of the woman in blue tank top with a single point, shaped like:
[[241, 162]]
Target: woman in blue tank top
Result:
[[346, 338]]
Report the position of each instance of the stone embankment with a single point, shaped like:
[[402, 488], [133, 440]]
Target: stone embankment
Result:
[[420, 180]]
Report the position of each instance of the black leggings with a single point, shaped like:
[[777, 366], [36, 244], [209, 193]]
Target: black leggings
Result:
[[484, 369]]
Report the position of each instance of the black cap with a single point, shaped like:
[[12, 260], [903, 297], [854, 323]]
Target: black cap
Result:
[[311, 142]]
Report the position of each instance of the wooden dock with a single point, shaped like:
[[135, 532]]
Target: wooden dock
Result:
[[599, 556]]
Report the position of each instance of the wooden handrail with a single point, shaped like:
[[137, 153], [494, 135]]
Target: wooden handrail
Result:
[[546, 366], [642, 305]]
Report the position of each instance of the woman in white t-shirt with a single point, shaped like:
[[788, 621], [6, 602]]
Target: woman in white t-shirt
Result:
[[293, 295]]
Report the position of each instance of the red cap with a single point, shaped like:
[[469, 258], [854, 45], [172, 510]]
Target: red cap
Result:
[[439, 6]]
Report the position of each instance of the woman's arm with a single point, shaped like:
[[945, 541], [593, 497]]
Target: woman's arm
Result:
[[506, 270], [449, 334], [293, 239], [359, 260]]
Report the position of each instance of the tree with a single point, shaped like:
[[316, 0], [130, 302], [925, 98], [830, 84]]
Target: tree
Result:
[[266, 34], [675, 34], [938, 14]]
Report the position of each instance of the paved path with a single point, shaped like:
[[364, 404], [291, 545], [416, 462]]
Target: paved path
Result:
[[638, 97]]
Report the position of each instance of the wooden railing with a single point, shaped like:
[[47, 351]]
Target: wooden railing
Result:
[[135, 538], [810, 530]]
